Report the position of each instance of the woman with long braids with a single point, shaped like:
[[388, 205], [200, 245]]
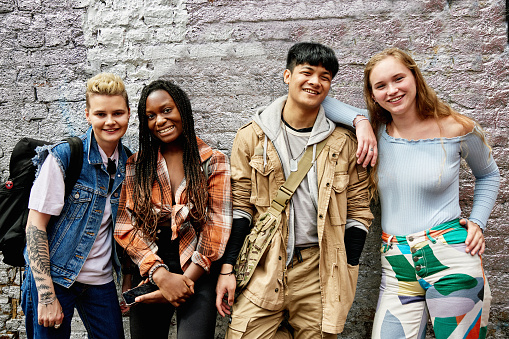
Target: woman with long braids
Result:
[[174, 217], [431, 255]]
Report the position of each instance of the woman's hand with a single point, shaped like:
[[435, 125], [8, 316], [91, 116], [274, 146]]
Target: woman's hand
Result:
[[175, 288], [51, 314], [126, 285], [475, 238], [225, 290], [367, 151]]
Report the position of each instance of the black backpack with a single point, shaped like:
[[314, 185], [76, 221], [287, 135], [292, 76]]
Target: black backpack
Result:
[[14, 194]]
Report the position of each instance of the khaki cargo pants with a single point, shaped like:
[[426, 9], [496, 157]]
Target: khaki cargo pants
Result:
[[303, 304]]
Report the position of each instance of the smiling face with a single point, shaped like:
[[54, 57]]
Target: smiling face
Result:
[[164, 120], [109, 117], [393, 87], [307, 86]]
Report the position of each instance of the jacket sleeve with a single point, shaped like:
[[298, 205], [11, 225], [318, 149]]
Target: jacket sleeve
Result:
[[142, 252], [241, 172], [216, 230], [357, 190]]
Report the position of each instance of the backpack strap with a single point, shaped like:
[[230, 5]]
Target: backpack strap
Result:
[[73, 172]]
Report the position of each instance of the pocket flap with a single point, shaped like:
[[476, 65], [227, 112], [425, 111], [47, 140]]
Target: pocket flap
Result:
[[340, 182], [239, 323]]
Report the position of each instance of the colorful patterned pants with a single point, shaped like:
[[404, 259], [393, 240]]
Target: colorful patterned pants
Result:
[[430, 273]]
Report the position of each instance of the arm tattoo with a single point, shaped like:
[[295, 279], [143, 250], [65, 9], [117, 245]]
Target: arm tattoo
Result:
[[38, 252]]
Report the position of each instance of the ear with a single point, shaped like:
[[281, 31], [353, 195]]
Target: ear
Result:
[[286, 76], [87, 115]]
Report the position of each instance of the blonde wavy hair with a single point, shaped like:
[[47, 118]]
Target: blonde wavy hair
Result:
[[106, 84], [427, 102]]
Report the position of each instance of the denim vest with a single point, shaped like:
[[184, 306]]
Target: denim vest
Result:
[[72, 233]]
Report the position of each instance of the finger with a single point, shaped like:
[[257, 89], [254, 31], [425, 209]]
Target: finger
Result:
[[219, 303], [483, 247], [375, 155], [363, 154], [360, 151], [231, 297], [369, 156], [191, 289]]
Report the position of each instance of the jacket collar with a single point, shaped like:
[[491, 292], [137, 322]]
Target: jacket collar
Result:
[[92, 148], [269, 120]]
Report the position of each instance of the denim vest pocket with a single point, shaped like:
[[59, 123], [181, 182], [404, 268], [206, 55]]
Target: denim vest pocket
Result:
[[261, 179], [78, 202]]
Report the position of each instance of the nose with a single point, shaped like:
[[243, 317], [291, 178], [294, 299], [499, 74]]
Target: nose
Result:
[[313, 80], [160, 120], [392, 89], [109, 119]]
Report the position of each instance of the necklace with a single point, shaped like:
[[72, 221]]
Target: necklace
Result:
[[293, 160]]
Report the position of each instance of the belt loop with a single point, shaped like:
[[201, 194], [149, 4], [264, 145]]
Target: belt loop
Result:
[[388, 245], [433, 240]]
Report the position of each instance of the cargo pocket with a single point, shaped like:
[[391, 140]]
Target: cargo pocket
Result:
[[237, 327], [261, 176], [338, 201]]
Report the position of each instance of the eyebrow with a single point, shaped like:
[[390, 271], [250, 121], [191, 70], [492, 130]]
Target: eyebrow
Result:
[[313, 69]]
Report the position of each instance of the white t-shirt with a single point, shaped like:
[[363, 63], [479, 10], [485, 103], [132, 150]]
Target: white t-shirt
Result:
[[47, 196]]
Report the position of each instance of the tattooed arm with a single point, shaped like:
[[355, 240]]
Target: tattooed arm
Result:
[[49, 309]]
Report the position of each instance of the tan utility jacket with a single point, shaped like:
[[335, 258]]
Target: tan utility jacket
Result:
[[342, 194]]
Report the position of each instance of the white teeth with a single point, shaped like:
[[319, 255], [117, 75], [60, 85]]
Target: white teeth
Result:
[[395, 99], [310, 91], [166, 129]]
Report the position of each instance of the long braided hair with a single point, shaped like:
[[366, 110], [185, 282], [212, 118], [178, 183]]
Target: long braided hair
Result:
[[145, 217]]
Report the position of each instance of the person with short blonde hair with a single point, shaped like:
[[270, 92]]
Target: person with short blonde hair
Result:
[[70, 254]]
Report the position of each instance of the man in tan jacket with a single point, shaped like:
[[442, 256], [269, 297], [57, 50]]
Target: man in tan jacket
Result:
[[309, 271]]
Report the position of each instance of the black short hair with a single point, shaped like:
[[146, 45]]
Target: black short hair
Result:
[[314, 54]]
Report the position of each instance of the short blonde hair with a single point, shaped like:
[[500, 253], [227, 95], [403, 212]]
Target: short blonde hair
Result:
[[106, 84]]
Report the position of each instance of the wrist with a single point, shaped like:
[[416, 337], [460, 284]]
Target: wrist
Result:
[[156, 272], [359, 119]]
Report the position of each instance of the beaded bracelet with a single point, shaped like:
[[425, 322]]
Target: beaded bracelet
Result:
[[153, 269], [356, 123]]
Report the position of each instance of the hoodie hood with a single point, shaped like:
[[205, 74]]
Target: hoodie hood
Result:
[[269, 120]]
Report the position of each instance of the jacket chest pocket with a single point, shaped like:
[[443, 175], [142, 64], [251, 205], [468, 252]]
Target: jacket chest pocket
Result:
[[77, 203], [338, 210], [262, 181]]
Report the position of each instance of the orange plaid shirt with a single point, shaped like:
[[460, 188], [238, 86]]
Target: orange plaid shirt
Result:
[[203, 249]]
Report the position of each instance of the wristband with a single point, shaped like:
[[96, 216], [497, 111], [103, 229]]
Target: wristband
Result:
[[153, 269], [229, 273], [356, 123]]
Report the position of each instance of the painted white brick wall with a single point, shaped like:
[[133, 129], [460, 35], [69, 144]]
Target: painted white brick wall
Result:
[[229, 56]]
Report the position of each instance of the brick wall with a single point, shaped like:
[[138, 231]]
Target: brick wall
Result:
[[229, 56]]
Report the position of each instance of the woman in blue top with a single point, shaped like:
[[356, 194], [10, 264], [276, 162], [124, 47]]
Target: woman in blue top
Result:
[[431, 258]]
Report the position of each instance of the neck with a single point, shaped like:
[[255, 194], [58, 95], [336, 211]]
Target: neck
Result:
[[174, 147], [408, 127], [299, 117], [108, 149]]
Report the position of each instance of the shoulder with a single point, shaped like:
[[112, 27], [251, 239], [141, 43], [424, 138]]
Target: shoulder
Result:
[[456, 126], [341, 132], [249, 133]]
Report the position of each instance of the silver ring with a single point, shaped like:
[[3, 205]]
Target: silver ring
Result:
[[371, 149], [57, 326]]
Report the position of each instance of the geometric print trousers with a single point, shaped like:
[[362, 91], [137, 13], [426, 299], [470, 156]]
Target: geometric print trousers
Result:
[[429, 274]]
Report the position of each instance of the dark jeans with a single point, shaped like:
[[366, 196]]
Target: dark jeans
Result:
[[97, 307], [196, 318]]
